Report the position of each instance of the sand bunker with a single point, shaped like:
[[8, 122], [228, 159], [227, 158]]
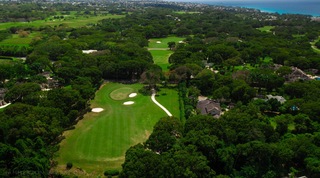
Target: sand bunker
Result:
[[128, 103], [96, 109], [158, 42], [89, 51], [132, 95]]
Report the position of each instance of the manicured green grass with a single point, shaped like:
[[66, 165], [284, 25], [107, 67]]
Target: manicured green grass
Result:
[[243, 67], [6, 61], [170, 99], [121, 93], [274, 124], [247, 66], [17, 40], [315, 49], [164, 41], [160, 57], [100, 140], [186, 12], [266, 28], [71, 21], [160, 51]]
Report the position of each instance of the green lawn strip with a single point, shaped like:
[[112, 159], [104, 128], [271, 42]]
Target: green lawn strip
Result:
[[315, 49], [244, 67], [266, 28], [186, 12], [163, 41], [20, 41], [169, 98], [100, 140], [160, 57], [7, 61]]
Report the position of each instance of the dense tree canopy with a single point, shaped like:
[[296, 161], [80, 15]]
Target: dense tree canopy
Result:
[[226, 56]]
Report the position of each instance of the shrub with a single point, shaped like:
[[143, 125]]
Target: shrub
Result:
[[69, 165], [145, 91]]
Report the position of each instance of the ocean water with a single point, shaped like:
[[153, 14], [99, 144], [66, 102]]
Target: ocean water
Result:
[[307, 7]]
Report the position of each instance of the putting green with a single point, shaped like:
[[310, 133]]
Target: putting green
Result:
[[121, 93], [100, 140]]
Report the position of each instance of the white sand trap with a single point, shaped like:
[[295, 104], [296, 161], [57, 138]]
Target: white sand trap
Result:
[[89, 51], [96, 109], [128, 102], [132, 95], [158, 42]]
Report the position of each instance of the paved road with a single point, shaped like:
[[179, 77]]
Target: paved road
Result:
[[153, 98]]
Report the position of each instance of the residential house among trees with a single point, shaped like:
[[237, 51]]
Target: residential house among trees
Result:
[[2, 93], [209, 107], [297, 74]]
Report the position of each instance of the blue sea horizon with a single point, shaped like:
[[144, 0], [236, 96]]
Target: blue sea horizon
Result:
[[282, 7]]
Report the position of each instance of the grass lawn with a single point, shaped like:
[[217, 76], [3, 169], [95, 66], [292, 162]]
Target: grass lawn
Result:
[[16, 40], [266, 28], [7, 61], [100, 140], [315, 49], [247, 66], [273, 123], [186, 12], [169, 98], [71, 21], [160, 57], [267, 59], [160, 51], [243, 67], [163, 41]]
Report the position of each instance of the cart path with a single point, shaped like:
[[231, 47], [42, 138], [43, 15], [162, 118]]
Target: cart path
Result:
[[153, 98]]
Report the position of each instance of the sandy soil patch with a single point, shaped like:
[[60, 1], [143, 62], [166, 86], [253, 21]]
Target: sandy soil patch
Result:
[[132, 95], [96, 109], [128, 102]]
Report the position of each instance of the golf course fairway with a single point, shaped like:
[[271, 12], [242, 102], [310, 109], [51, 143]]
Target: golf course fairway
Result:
[[100, 140]]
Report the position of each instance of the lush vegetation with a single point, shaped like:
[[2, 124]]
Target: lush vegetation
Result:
[[234, 57]]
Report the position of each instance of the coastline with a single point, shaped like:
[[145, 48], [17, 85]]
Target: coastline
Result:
[[310, 8]]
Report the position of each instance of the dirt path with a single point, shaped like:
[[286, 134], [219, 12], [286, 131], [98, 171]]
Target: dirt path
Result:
[[153, 98]]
